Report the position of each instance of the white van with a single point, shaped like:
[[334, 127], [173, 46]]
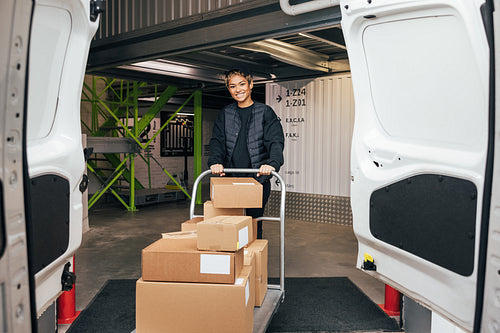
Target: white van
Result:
[[425, 191]]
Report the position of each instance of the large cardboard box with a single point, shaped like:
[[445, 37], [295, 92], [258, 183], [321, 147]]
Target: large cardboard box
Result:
[[235, 192], [210, 211], [178, 259], [225, 233], [196, 307], [190, 225], [260, 249]]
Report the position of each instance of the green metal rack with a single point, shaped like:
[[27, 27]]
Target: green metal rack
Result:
[[115, 114]]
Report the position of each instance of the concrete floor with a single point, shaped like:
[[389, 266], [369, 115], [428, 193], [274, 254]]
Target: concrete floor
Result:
[[111, 249]]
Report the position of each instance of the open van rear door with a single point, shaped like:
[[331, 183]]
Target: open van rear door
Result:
[[61, 32], [423, 152], [60, 38], [44, 50]]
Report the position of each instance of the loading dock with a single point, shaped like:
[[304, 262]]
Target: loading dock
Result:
[[188, 45], [199, 49]]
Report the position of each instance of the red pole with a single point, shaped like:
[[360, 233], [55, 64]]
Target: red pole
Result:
[[66, 308], [392, 304]]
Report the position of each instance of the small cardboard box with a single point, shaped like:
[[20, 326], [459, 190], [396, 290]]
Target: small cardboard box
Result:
[[178, 259], [180, 235], [260, 249], [235, 192], [210, 211], [225, 233], [190, 225], [196, 307]]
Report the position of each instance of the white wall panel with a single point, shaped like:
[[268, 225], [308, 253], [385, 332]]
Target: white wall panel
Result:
[[317, 117]]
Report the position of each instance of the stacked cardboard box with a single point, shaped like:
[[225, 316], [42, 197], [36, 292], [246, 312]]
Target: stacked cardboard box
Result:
[[195, 307], [225, 233], [179, 260], [210, 211], [190, 225], [258, 250], [201, 279], [234, 192]]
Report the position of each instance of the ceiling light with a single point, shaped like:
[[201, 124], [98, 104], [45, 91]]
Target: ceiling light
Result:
[[175, 69]]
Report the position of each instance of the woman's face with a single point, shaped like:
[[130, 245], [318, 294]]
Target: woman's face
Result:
[[240, 90]]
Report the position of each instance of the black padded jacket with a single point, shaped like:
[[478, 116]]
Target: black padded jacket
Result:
[[265, 139]]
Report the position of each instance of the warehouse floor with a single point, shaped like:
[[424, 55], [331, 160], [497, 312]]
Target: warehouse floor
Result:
[[111, 249]]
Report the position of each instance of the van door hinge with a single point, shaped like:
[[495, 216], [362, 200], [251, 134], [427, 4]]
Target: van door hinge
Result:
[[369, 263], [96, 7], [68, 278]]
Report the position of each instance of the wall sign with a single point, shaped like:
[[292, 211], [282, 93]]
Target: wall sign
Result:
[[317, 118]]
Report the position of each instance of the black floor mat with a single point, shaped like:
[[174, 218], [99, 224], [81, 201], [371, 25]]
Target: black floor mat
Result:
[[332, 304], [328, 304], [111, 311]]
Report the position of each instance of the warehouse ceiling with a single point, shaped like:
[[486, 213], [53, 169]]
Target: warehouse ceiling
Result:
[[297, 55], [194, 53]]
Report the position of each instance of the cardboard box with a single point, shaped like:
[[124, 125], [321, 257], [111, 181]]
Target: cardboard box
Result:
[[249, 260], [190, 225], [180, 235], [225, 233], [254, 226], [210, 211], [178, 259], [249, 257], [235, 192], [196, 307], [260, 249]]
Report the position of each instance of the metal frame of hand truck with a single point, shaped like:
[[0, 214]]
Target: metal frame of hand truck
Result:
[[275, 293]]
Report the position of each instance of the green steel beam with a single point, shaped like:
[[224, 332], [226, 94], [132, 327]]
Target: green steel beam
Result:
[[115, 161], [176, 183], [197, 140], [131, 100], [131, 203], [98, 194], [155, 108], [168, 121], [132, 156], [89, 166]]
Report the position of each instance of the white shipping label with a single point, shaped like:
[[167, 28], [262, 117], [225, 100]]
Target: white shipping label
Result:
[[243, 184], [243, 237], [239, 281], [247, 294], [215, 264]]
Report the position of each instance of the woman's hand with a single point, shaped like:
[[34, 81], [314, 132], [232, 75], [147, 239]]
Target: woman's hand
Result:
[[217, 169], [265, 170]]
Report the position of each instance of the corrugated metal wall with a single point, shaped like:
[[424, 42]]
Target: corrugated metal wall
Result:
[[128, 15], [318, 119]]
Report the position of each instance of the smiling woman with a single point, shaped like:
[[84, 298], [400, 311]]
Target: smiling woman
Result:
[[240, 89], [247, 134]]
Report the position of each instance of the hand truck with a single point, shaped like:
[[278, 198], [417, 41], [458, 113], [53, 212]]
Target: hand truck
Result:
[[275, 293]]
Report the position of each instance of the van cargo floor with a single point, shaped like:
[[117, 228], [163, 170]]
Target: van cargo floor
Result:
[[331, 304]]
